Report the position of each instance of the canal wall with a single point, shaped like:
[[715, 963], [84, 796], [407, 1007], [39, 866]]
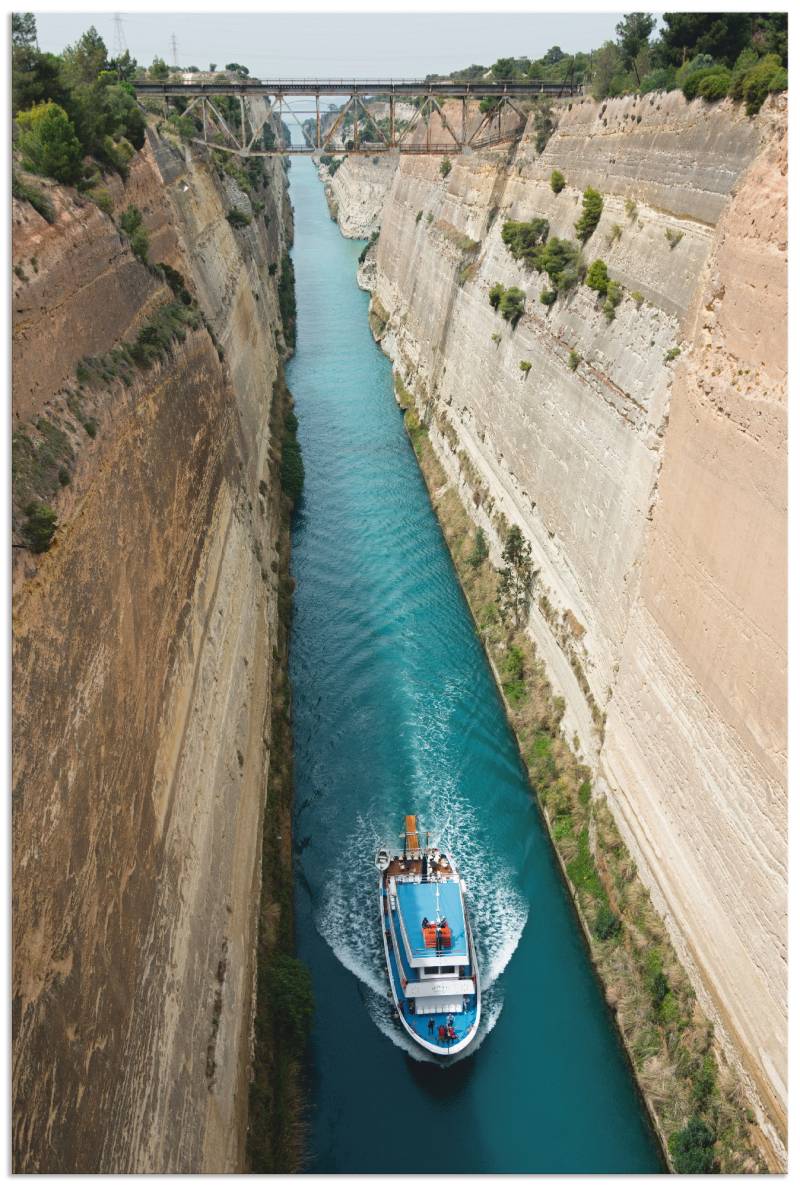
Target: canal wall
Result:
[[144, 657], [644, 459], [356, 194]]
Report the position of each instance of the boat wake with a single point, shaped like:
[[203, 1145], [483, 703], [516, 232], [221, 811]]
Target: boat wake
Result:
[[347, 918]]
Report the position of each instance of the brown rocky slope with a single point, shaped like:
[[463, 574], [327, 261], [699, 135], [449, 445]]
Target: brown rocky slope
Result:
[[143, 650]]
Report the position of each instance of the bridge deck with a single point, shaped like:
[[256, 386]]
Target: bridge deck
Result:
[[357, 86]]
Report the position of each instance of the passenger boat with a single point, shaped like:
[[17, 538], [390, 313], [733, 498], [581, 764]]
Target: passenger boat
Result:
[[430, 954]]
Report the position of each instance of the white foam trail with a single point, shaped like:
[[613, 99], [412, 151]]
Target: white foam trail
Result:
[[348, 915]]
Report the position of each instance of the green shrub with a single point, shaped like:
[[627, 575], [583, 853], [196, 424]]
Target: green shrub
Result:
[[659, 987], [90, 426], [497, 339], [574, 360], [419, 216], [102, 199], [496, 295], [237, 218], [445, 166], [584, 793], [512, 304], [130, 220], [480, 550], [692, 1148], [714, 86], [557, 181], [290, 996], [140, 244], [631, 209], [548, 296], [40, 525], [24, 192], [637, 298], [592, 209], [614, 293], [48, 143], [597, 277], [525, 366], [661, 79], [561, 260], [606, 924], [705, 1082], [292, 468], [286, 300], [672, 354], [581, 869], [513, 675], [693, 82], [168, 324], [746, 60], [768, 75], [372, 240], [543, 126], [672, 236], [524, 239]]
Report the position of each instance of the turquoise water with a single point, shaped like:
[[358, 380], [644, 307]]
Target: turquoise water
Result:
[[395, 711]]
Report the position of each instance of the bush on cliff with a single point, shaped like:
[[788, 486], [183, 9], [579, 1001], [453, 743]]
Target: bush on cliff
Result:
[[480, 550], [606, 924], [132, 224], [592, 209], [292, 468], [237, 218], [692, 1148], [597, 277], [48, 143], [763, 78], [523, 239], [557, 181], [286, 300], [40, 526], [291, 997], [561, 260], [512, 304], [23, 191], [708, 77]]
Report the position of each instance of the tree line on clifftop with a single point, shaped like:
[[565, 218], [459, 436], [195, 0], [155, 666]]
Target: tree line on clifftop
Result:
[[706, 54]]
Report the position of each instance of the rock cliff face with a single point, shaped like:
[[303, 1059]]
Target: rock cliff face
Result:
[[142, 660], [645, 460], [357, 191]]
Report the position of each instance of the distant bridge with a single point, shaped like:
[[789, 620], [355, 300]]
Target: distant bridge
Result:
[[463, 132]]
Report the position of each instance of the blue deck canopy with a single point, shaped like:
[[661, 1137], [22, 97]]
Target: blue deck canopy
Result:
[[417, 900]]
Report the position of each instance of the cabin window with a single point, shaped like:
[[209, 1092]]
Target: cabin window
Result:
[[445, 971]]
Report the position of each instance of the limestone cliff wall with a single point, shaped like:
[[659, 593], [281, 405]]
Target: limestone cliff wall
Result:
[[356, 192], [644, 458], [143, 646]]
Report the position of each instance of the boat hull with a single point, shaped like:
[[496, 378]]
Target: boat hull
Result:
[[417, 1025]]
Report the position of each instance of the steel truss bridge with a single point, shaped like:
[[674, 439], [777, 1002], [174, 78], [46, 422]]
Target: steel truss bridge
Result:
[[458, 129]]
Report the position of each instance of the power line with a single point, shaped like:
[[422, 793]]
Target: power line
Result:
[[174, 46]]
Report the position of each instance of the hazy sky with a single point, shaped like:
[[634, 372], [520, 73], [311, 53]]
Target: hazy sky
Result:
[[328, 44]]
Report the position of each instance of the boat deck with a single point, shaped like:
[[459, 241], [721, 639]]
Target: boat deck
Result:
[[412, 867], [417, 901]]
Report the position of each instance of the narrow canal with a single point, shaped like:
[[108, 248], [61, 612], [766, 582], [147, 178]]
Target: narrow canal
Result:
[[395, 711]]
